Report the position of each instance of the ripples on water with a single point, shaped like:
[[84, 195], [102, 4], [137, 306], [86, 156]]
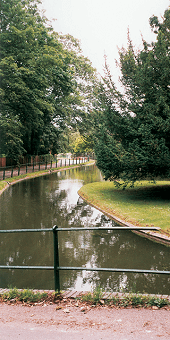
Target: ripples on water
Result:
[[53, 200]]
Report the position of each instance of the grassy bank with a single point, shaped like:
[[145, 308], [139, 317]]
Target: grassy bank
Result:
[[147, 204]]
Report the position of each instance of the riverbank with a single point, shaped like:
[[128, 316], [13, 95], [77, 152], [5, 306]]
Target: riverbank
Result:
[[4, 184], [129, 211]]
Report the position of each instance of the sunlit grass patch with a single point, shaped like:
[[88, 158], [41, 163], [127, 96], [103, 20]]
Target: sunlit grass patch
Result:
[[147, 204], [2, 185]]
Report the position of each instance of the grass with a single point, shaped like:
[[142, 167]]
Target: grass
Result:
[[3, 184], [147, 204], [25, 295], [95, 298], [125, 300]]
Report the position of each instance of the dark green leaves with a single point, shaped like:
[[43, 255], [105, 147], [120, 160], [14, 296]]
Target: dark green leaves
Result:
[[133, 141]]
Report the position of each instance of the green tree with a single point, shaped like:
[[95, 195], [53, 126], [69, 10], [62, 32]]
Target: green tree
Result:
[[33, 73], [39, 84], [77, 109], [83, 145], [133, 138]]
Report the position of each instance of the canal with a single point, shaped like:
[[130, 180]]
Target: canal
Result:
[[53, 200]]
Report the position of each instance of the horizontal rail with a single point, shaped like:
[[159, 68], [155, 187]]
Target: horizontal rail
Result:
[[56, 268], [143, 271], [108, 228], [122, 270], [27, 267], [23, 230], [78, 229]]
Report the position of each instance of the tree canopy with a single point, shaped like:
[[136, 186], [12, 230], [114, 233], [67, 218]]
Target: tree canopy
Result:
[[133, 134], [45, 81]]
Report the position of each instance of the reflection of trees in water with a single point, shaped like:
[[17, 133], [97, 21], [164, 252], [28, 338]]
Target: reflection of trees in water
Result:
[[143, 283], [44, 202], [37, 203], [126, 250], [40, 203], [117, 250], [26, 249]]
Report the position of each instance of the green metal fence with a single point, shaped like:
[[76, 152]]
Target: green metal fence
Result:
[[56, 267]]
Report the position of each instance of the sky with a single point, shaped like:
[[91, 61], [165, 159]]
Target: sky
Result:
[[101, 25]]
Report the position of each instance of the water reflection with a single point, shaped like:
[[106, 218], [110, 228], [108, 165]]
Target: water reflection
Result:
[[49, 200]]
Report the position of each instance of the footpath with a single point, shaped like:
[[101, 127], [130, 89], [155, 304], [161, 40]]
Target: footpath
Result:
[[72, 319]]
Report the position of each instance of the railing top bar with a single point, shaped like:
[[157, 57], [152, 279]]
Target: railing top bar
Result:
[[76, 229], [27, 267], [107, 228], [143, 271], [122, 270], [23, 230]]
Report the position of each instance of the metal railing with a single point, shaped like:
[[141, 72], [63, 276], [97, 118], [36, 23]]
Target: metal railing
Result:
[[11, 171], [56, 268]]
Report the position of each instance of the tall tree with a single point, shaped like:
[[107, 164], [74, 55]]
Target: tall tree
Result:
[[133, 140], [38, 80]]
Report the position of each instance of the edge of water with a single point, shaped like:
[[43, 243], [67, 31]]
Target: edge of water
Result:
[[156, 237]]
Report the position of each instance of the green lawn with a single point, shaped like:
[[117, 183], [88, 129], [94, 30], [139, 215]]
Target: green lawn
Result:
[[146, 204]]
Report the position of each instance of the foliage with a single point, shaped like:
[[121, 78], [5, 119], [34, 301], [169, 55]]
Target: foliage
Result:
[[11, 137], [133, 135], [44, 81], [83, 145]]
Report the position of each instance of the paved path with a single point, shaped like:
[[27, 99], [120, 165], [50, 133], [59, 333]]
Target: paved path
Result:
[[72, 322], [68, 318]]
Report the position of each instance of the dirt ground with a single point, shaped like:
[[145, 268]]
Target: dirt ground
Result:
[[73, 320]]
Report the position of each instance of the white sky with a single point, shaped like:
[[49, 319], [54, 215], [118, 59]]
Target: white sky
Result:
[[101, 25]]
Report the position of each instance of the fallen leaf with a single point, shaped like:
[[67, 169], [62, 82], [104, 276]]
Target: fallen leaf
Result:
[[66, 311]]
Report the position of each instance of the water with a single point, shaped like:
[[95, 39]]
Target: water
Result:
[[53, 200]]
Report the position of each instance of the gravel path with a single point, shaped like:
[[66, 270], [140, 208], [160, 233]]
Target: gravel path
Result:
[[74, 320]]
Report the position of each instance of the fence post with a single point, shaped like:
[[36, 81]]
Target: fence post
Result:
[[12, 171], [46, 165], [65, 161], [39, 165], [18, 170], [51, 164], [33, 166], [26, 167], [56, 162], [61, 163], [69, 161], [56, 259], [4, 174]]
